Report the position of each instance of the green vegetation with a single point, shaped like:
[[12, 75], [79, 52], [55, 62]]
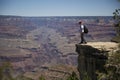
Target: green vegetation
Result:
[[41, 77], [73, 76], [116, 39], [112, 67], [7, 73], [117, 25], [86, 77], [113, 63]]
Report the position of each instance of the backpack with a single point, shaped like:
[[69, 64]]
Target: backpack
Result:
[[85, 29]]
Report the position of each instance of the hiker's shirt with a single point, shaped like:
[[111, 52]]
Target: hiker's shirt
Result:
[[82, 28]]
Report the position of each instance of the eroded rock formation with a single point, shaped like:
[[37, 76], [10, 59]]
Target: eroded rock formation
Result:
[[90, 60]]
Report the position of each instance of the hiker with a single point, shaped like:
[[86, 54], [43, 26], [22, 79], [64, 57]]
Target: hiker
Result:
[[83, 31]]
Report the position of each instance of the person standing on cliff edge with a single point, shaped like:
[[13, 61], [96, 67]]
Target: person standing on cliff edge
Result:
[[83, 31]]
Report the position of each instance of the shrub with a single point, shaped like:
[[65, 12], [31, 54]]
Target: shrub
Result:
[[73, 76]]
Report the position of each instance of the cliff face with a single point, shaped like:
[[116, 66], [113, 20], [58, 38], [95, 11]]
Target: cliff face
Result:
[[90, 60]]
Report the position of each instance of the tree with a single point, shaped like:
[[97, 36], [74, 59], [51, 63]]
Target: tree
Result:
[[116, 16], [117, 20]]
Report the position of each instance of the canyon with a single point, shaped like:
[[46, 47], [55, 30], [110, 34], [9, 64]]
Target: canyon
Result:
[[35, 44]]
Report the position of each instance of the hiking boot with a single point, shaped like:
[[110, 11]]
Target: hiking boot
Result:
[[81, 43]]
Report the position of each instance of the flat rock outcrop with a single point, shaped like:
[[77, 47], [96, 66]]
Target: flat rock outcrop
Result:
[[91, 58]]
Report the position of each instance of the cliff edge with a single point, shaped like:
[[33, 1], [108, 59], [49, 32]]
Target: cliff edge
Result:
[[92, 58]]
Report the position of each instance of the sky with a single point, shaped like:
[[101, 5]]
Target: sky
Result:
[[58, 7]]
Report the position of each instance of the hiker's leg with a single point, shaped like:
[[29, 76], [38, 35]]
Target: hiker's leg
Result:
[[82, 38], [84, 41]]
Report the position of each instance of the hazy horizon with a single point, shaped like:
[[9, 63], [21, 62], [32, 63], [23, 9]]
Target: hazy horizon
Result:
[[53, 16]]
